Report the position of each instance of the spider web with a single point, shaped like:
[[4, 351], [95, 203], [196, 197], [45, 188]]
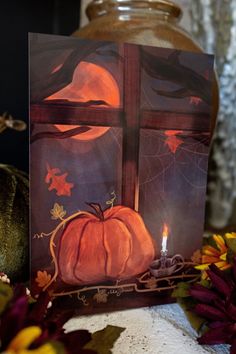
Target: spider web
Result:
[[172, 186]]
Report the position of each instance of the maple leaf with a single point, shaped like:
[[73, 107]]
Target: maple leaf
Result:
[[43, 278], [57, 212], [172, 141], [58, 182]]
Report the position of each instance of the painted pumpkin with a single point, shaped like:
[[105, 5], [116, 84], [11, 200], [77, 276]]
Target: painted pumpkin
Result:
[[14, 228], [110, 245]]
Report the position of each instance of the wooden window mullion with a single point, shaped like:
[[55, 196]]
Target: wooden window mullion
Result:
[[131, 102]]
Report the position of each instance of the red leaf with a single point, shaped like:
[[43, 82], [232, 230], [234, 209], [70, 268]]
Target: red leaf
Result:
[[58, 182], [172, 141]]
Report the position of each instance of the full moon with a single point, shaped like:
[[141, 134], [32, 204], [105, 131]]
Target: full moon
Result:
[[90, 82]]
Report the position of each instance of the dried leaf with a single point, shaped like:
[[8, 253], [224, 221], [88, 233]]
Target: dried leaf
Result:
[[103, 341], [57, 212], [43, 278]]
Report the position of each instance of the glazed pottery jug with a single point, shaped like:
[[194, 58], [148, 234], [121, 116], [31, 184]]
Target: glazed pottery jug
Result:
[[146, 22]]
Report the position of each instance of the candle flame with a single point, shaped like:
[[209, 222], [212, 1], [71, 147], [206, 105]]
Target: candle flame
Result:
[[165, 230]]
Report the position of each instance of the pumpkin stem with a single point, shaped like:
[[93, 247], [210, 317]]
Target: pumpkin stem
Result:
[[98, 209]]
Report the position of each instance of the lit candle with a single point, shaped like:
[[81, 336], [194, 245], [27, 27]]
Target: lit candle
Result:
[[164, 238]]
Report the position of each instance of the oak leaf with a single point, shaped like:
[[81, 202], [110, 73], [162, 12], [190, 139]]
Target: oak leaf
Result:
[[58, 182]]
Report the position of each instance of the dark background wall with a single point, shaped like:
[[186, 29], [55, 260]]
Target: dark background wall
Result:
[[17, 18]]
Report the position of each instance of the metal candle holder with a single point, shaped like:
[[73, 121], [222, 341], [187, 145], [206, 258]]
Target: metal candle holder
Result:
[[166, 266]]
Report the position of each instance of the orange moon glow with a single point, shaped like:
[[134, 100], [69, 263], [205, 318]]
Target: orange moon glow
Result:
[[90, 82]]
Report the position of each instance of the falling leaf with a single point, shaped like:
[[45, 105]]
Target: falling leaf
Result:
[[103, 341], [151, 283], [101, 296], [43, 278], [57, 212], [172, 141], [58, 182]]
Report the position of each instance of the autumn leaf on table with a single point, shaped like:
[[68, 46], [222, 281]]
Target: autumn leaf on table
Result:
[[57, 212], [102, 341], [58, 181], [172, 140], [43, 278]]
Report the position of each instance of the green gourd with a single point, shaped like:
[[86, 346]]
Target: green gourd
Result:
[[14, 222]]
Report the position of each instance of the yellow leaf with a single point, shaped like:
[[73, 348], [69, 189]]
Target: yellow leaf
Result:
[[43, 278], [57, 212]]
